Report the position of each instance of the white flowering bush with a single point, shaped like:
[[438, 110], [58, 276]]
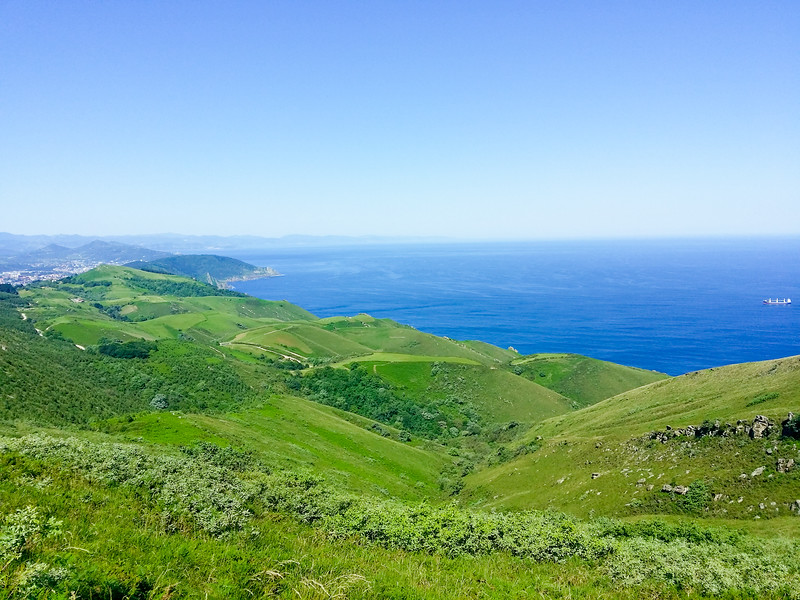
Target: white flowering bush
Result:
[[707, 568], [22, 529], [188, 491], [20, 533]]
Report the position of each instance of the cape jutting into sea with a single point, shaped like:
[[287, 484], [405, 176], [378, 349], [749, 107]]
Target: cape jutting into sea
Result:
[[669, 305]]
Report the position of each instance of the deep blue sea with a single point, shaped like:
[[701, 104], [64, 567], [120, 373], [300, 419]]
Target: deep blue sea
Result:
[[673, 306]]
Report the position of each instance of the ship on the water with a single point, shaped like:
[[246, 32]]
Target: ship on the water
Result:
[[778, 301]]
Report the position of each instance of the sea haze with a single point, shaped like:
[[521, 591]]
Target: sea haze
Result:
[[671, 306]]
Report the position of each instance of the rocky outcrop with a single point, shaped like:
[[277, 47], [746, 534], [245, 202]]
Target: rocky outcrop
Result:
[[675, 489], [761, 427], [784, 465]]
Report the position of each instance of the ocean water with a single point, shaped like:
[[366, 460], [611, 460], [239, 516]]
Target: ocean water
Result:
[[669, 305]]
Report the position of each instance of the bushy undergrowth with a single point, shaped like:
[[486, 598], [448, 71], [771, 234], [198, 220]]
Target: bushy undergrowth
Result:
[[355, 390], [217, 491], [177, 287], [442, 415], [20, 533]]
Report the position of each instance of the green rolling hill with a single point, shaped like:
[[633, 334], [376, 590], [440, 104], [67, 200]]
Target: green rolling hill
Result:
[[209, 268], [582, 379]]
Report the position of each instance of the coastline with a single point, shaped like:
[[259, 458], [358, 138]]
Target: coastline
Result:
[[261, 273]]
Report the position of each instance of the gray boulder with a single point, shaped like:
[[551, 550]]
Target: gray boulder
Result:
[[761, 427]]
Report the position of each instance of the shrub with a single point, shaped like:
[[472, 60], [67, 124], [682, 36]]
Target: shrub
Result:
[[791, 428], [697, 497], [159, 402], [22, 529], [763, 398]]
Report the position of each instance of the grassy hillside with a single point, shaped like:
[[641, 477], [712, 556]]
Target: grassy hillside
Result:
[[125, 303], [385, 335], [45, 381], [493, 394], [583, 380], [202, 431], [602, 460], [293, 433], [362, 338], [728, 393]]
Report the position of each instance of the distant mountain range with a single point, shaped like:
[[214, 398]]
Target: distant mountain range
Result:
[[13, 244], [93, 252]]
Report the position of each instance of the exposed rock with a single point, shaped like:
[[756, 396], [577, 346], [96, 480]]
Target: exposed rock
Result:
[[762, 506], [717, 497], [642, 481], [666, 488], [650, 487], [757, 472], [762, 427], [595, 475], [784, 465], [680, 489], [769, 451]]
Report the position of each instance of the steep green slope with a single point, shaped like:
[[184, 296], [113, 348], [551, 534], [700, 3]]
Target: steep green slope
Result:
[[582, 379], [728, 393], [606, 459], [48, 380], [294, 433], [51, 381]]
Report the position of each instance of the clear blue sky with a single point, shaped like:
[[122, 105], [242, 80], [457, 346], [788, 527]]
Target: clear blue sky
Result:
[[468, 119]]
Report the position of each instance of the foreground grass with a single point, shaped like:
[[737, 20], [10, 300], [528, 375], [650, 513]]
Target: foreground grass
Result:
[[109, 521]]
